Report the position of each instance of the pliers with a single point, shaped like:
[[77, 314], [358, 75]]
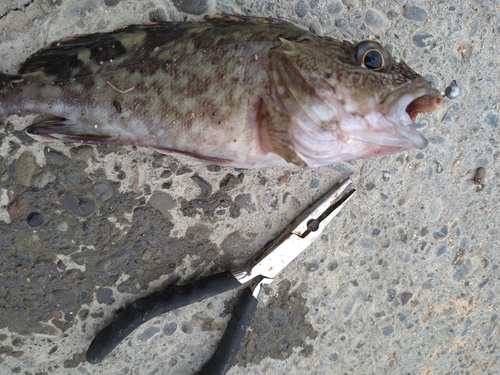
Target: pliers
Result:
[[300, 233]]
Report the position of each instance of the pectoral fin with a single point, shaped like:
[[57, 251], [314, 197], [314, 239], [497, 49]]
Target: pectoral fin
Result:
[[60, 129]]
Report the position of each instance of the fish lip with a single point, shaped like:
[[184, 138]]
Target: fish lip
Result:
[[399, 102]]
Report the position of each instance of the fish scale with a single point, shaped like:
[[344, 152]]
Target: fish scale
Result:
[[237, 91]]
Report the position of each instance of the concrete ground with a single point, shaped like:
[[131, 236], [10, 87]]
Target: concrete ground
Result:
[[404, 282]]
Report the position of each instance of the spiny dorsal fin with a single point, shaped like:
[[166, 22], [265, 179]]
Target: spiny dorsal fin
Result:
[[63, 54], [103, 46]]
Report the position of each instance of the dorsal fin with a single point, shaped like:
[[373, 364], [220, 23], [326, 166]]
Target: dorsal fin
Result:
[[63, 55], [102, 46]]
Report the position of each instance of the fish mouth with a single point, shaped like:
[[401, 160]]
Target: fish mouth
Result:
[[408, 105]]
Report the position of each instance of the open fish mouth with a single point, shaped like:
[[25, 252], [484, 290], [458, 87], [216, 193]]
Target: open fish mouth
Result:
[[423, 100], [408, 106]]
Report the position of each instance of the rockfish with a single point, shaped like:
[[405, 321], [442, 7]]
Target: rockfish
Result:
[[236, 91]]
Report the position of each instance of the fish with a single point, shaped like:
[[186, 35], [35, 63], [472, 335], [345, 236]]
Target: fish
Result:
[[237, 91]]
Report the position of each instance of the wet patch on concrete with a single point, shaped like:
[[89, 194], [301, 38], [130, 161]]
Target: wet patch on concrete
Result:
[[279, 328]]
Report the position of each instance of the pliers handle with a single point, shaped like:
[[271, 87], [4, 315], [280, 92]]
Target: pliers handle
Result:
[[301, 232]]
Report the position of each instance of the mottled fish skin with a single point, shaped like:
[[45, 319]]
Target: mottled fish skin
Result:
[[238, 91]]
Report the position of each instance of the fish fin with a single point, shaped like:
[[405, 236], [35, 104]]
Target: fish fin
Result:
[[52, 129], [225, 18], [64, 55], [7, 79], [275, 134], [190, 155]]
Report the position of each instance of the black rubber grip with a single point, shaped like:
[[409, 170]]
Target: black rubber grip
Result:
[[236, 330], [153, 305]]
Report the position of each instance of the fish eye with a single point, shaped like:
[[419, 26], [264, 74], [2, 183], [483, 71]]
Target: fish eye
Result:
[[373, 56]]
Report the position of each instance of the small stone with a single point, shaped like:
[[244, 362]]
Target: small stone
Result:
[[187, 328], [335, 8], [333, 357], [405, 297], [160, 161], [30, 304], [351, 3], [25, 168], [439, 167], [391, 294], [183, 170], [83, 314], [43, 179], [213, 168], [314, 184], [198, 233], [195, 7], [436, 139], [277, 318], [441, 250], [462, 270], [301, 8], [35, 219], [78, 205], [376, 19], [5, 349], [333, 266], [79, 180], [491, 118], [17, 207], [435, 209], [170, 328], [387, 331], [204, 185], [166, 174], [17, 354], [105, 296], [53, 350], [479, 176], [162, 201], [244, 201], [147, 334], [229, 182], [62, 226], [284, 179], [82, 153], [367, 243], [448, 118], [157, 15], [111, 3], [423, 39], [54, 158], [64, 296], [102, 191], [392, 14], [316, 27], [313, 266], [415, 13], [386, 175], [341, 22]]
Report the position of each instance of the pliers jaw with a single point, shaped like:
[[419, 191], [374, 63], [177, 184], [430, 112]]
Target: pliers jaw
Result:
[[301, 233]]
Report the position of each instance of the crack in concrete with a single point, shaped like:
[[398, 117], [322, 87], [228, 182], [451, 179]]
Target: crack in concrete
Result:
[[23, 8]]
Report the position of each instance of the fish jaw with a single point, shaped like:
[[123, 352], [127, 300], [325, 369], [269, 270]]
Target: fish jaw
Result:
[[386, 129], [402, 106]]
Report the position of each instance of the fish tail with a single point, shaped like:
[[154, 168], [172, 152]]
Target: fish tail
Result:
[[7, 82]]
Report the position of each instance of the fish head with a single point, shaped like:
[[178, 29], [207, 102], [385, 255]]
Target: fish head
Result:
[[380, 99], [349, 101]]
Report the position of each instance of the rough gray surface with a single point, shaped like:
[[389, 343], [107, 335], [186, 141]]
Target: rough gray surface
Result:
[[406, 281]]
